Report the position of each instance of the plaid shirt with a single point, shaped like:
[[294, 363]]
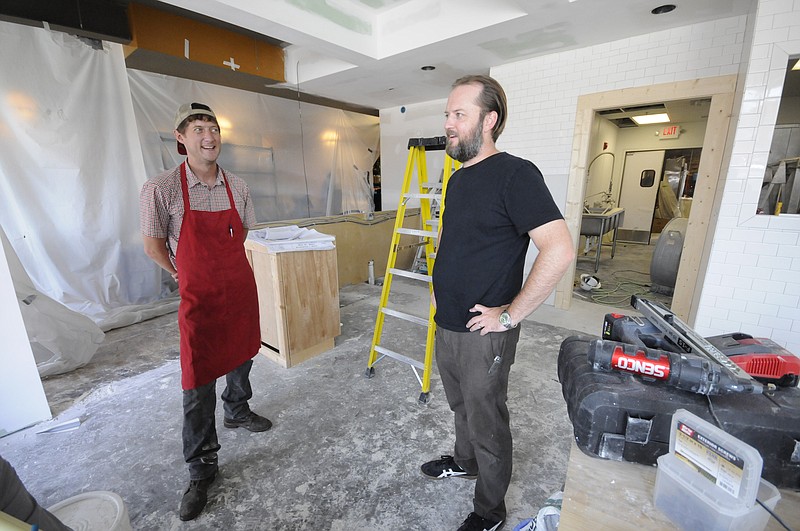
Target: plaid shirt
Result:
[[161, 203]]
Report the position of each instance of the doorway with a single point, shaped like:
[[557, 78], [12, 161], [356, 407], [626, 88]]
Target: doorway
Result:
[[655, 193], [694, 259]]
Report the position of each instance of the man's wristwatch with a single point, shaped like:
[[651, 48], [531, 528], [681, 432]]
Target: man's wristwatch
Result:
[[505, 320]]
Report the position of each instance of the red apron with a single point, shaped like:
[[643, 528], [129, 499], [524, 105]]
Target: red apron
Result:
[[218, 313]]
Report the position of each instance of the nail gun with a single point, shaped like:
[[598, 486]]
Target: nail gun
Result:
[[682, 371], [661, 329]]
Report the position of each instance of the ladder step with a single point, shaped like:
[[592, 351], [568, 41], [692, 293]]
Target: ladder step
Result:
[[400, 357], [417, 232], [410, 274], [431, 186], [431, 144], [405, 316], [422, 196], [433, 222]]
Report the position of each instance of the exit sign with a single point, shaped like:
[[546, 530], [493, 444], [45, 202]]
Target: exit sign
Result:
[[670, 131]]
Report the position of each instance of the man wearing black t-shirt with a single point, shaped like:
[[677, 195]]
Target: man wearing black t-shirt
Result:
[[495, 205]]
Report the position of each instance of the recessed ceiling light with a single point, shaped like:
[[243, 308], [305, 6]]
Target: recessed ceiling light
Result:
[[660, 10], [645, 119], [428, 68]]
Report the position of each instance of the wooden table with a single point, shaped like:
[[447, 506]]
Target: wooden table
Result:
[[598, 224], [601, 494]]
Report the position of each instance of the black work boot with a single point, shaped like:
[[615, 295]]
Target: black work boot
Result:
[[252, 422], [195, 498]]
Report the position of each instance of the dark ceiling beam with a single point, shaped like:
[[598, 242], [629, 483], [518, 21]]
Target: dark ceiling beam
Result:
[[105, 20]]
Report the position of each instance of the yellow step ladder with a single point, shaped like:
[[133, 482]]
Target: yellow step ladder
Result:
[[431, 196]]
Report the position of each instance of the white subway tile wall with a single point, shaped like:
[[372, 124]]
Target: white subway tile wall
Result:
[[773, 241], [753, 279]]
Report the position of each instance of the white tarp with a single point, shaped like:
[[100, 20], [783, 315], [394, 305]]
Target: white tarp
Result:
[[80, 135], [70, 171], [299, 160], [61, 339]]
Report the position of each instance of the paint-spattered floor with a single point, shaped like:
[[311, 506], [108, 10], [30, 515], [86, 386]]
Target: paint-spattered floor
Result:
[[344, 453], [626, 274]]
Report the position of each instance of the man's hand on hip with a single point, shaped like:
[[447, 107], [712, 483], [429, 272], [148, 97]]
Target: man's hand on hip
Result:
[[487, 321]]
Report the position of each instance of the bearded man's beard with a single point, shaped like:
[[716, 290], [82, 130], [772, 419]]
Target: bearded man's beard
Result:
[[469, 147]]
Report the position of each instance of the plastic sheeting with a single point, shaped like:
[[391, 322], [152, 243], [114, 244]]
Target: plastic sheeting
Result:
[[70, 171], [299, 160], [61, 339], [670, 188], [81, 134]]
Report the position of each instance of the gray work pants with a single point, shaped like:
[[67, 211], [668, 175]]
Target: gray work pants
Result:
[[16, 501], [478, 400], [200, 444]]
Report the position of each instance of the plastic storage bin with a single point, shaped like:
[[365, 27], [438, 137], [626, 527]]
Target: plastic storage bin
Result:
[[685, 497], [710, 480]]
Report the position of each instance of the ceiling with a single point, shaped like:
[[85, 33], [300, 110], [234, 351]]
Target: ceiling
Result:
[[370, 52], [680, 111]]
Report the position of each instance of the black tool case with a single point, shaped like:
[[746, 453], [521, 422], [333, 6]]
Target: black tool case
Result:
[[619, 416]]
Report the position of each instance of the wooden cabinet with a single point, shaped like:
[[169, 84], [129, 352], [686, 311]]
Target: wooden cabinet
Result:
[[298, 299]]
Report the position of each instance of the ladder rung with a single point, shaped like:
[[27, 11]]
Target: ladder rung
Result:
[[431, 186], [417, 232], [400, 357], [405, 316], [410, 274], [422, 196], [433, 222]]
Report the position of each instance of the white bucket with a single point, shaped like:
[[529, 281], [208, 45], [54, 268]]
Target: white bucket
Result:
[[93, 511]]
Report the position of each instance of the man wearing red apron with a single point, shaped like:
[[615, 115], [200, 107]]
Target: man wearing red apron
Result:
[[208, 211]]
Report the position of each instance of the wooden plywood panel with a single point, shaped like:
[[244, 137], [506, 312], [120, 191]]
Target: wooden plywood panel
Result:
[[269, 295], [173, 36], [310, 293], [706, 202], [298, 299]]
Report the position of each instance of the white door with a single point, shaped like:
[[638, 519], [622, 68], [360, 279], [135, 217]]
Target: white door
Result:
[[640, 180]]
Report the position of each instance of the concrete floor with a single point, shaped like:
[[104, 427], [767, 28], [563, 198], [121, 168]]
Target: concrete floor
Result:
[[626, 274], [344, 452]]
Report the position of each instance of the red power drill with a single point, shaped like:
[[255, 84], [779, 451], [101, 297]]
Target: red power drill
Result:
[[682, 371]]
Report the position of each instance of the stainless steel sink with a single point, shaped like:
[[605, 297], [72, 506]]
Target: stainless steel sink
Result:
[[591, 226], [595, 222]]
